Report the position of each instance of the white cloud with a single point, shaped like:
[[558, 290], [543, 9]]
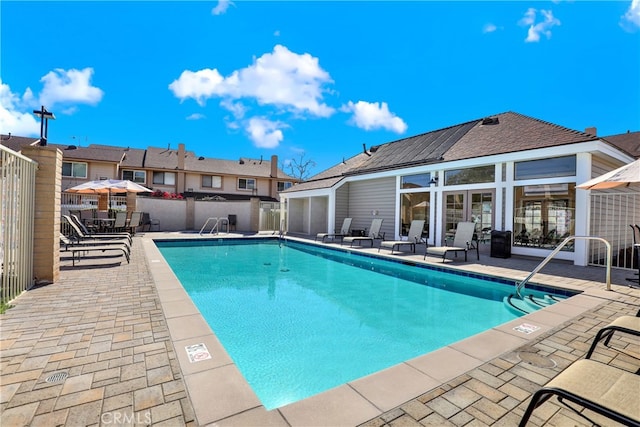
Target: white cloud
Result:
[[221, 7], [536, 30], [489, 28], [198, 85], [283, 79], [374, 115], [72, 86], [12, 120], [630, 21], [265, 133], [196, 116]]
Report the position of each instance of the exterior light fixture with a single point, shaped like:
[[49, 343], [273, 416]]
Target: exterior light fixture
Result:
[[44, 123]]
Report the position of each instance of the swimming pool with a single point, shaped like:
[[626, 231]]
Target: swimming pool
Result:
[[298, 319]]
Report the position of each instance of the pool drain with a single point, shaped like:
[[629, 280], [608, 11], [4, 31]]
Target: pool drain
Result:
[[536, 360], [57, 377]]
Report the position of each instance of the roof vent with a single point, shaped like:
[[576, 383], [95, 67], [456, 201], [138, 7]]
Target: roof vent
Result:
[[71, 147], [241, 162], [374, 148], [490, 121], [200, 158]]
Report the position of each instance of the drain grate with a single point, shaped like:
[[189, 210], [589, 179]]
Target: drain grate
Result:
[[57, 377]]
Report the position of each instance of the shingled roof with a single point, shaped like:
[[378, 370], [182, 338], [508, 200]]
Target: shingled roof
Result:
[[498, 134], [629, 142]]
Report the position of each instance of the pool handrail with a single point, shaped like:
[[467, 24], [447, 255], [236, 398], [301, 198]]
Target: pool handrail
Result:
[[218, 222], [520, 286]]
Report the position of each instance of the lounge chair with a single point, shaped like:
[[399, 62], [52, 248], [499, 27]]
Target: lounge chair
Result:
[[94, 237], [625, 324], [83, 248], [462, 242], [344, 232], [374, 233], [414, 237], [90, 233], [604, 389]]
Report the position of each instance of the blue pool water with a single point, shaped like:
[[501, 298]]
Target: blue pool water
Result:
[[298, 320]]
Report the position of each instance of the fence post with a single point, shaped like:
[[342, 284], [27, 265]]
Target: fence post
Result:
[[46, 252]]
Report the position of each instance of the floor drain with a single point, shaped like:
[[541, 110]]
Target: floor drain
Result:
[[536, 360], [57, 377]]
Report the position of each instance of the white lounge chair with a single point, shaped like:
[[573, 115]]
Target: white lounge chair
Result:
[[462, 242], [344, 232], [414, 237], [374, 233]]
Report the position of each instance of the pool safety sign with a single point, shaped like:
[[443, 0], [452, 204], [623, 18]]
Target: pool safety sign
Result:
[[197, 352], [526, 328]]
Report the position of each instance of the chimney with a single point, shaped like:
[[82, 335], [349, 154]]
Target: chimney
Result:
[[274, 166], [181, 156], [591, 131]]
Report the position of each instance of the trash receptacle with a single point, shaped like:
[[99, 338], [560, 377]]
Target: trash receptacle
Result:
[[500, 244]]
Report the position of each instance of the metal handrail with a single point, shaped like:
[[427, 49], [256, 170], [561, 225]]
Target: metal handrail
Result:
[[520, 286], [218, 222]]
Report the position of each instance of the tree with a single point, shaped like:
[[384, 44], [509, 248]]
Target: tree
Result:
[[299, 168]]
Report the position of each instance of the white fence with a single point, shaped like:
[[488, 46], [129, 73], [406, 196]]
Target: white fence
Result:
[[17, 190], [611, 217], [78, 202]]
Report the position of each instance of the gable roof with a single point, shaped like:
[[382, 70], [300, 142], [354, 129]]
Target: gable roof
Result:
[[499, 134], [629, 142]]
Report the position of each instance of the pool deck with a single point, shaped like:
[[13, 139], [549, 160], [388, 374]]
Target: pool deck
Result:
[[120, 333]]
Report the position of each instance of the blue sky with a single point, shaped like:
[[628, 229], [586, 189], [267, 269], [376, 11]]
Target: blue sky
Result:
[[251, 79]]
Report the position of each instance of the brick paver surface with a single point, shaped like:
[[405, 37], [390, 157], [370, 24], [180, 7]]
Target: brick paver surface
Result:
[[102, 326]]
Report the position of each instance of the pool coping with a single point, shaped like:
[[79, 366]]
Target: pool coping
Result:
[[220, 394]]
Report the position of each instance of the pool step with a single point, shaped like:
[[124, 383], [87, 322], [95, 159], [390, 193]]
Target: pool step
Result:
[[528, 303]]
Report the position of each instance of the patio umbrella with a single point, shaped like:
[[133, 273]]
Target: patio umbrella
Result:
[[625, 176], [108, 186]]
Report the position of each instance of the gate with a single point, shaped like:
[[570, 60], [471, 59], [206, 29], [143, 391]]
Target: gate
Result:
[[17, 190], [270, 216], [611, 217]]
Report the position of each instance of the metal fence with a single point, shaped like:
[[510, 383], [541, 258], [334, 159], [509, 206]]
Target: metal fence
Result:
[[17, 198], [611, 217]]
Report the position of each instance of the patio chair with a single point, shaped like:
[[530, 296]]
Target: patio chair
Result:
[[626, 324], [120, 224], [77, 231], [77, 250], [604, 389], [462, 242], [134, 222], [344, 232], [374, 233], [414, 237]]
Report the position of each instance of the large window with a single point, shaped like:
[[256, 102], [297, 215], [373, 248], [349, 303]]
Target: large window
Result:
[[136, 176], [546, 168], [470, 175], [164, 178], [283, 185], [421, 180], [74, 170], [544, 215], [211, 181], [414, 206], [246, 183]]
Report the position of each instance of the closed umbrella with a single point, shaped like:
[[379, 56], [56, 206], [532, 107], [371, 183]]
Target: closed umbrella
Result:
[[625, 176]]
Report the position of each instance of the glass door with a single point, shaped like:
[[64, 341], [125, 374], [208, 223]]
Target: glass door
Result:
[[474, 206]]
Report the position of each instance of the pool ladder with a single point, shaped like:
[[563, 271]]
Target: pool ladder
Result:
[[217, 225]]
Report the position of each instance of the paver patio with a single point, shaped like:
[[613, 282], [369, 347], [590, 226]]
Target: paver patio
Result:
[[105, 329]]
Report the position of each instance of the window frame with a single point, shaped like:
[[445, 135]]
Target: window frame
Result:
[[218, 177], [285, 184], [134, 172], [246, 187], [164, 177], [73, 169]]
